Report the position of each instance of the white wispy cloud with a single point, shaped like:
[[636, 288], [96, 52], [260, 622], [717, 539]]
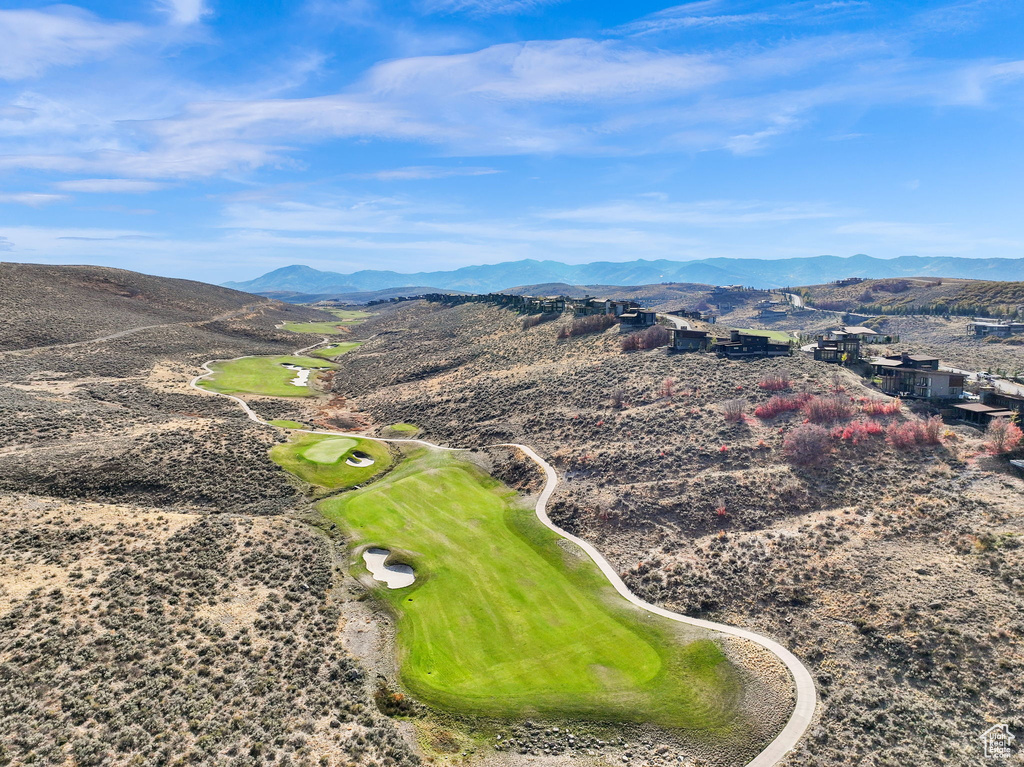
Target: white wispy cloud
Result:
[[705, 213], [110, 186], [184, 11], [34, 199], [570, 96], [485, 7], [714, 13], [424, 172], [32, 41]]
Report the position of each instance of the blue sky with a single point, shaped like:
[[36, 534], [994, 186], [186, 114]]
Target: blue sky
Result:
[[218, 140]]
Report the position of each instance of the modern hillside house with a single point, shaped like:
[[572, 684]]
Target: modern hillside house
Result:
[[915, 376], [842, 346], [975, 412], [982, 328], [641, 318], [684, 340], [746, 345]]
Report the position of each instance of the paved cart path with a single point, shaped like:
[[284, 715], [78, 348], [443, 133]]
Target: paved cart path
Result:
[[803, 682]]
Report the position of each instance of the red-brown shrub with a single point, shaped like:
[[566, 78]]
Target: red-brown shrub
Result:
[[858, 431], [1003, 436], [915, 433], [774, 381], [807, 445], [777, 404], [828, 409], [875, 406]]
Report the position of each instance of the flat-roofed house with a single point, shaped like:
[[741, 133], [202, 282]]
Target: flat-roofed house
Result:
[[1003, 400], [974, 412], [916, 376], [640, 318], [746, 345], [1000, 328], [685, 340]]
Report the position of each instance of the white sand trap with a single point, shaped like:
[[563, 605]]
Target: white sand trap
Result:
[[301, 377], [359, 459], [395, 576]]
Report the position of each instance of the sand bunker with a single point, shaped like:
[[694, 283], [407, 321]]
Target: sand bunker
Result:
[[301, 377], [395, 576], [359, 458]]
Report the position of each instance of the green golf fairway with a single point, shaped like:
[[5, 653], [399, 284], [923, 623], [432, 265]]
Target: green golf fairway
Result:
[[350, 315], [286, 424], [502, 621], [325, 328], [335, 350], [329, 450], [261, 375], [779, 336], [320, 459]]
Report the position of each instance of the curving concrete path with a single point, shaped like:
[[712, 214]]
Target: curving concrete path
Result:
[[803, 682]]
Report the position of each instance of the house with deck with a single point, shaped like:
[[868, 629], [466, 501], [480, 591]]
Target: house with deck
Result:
[[742, 345], [639, 318], [686, 340], [842, 345], [916, 376]]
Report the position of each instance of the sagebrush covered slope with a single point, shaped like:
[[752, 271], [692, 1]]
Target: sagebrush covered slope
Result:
[[43, 304], [895, 571]]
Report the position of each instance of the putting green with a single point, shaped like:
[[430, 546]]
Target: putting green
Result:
[[502, 621], [335, 350], [329, 450], [404, 428], [320, 459], [262, 375]]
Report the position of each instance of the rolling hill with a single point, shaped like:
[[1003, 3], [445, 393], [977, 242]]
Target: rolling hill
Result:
[[759, 273]]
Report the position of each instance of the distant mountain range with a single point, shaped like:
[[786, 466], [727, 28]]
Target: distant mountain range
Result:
[[753, 272]]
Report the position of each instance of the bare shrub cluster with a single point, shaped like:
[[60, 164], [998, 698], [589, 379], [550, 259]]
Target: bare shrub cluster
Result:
[[581, 326], [733, 410], [807, 445], [534, 320], [828, 409], [651, 338], [775, 381]]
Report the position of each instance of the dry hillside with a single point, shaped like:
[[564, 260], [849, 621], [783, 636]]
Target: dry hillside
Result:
[[896, 572], [43, 304], [160, 603]]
